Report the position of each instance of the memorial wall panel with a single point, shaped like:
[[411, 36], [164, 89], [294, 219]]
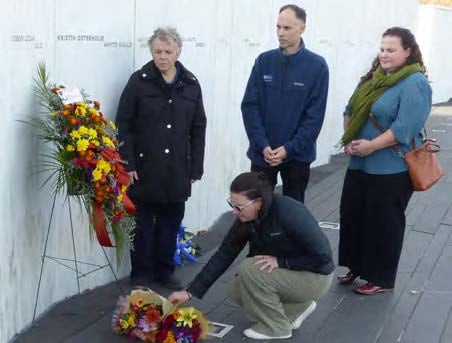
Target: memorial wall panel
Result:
[[94, 51], [96, 45], [26, 39]]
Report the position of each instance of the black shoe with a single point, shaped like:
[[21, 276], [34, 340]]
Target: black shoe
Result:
[[169, 281]]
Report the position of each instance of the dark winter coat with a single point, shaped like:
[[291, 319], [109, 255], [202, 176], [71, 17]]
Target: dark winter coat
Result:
[[162, 129], [287, 230]]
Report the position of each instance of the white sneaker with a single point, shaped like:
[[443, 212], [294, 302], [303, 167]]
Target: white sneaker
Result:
[[297, 323], [256, 335]]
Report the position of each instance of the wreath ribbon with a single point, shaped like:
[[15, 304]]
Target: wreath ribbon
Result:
[[100, 225]]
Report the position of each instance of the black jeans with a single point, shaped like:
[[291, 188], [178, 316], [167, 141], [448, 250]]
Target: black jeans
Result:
[[155, 239], [294, 175]]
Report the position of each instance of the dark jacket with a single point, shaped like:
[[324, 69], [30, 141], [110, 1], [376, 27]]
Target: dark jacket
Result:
[[284, 104], [162, 128], [287, 231]]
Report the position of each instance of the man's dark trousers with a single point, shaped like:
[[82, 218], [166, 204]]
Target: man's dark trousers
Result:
[[294, 175]]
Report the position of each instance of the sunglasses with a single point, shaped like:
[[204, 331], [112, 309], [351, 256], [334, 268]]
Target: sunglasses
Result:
[[239, 208]]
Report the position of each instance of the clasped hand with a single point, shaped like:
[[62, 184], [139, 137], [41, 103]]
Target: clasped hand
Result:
[[274, 157], [359, 147]]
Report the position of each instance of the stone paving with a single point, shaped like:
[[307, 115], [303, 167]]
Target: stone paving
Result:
[[419, 310]]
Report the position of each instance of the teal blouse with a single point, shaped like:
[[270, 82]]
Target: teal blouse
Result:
[[404, 108]]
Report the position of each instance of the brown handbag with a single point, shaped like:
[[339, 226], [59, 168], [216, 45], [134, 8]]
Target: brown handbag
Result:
[[423, 166]]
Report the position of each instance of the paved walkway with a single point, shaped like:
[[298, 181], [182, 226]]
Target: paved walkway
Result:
[[419, 310]]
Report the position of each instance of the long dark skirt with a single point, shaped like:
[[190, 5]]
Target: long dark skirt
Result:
[[372, 223]]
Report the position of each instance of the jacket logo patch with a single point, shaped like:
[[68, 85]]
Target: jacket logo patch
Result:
[[274, 234], [299, 84], [268, 78]]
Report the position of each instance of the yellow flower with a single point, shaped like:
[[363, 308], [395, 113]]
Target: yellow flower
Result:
[[123, 188], [83, 130], [108, 142], [103, 165], [93, 111], [120, 196], [75, 134], [132, 321], [97, 174], [186, 317], [80, 111], [124, 323], [140, 302], [52, 114], [82, 144], [92, 133], [112, 125], [95, 142], [70, 147]]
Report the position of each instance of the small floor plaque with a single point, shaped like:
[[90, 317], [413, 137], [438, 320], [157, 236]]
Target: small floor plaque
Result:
[[218, 329], [329, 226]]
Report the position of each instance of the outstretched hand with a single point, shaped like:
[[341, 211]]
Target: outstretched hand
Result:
[[179, 298]]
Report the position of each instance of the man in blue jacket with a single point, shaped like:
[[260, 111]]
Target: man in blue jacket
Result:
[[284, 106]]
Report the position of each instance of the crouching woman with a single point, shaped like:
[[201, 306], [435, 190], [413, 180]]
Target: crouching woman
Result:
[[289, 265]]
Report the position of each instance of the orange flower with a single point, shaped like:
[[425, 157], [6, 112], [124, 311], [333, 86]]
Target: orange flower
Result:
[[96, 104]]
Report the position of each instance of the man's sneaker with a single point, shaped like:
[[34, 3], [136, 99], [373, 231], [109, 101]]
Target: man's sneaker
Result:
[[297, 323], [256, 335]]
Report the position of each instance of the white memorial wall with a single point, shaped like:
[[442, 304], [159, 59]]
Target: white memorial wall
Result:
[[434, 33], [96, 45]]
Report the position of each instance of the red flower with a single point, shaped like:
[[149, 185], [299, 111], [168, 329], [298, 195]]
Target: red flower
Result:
[[79, 162], [152, 314], [196, 330]]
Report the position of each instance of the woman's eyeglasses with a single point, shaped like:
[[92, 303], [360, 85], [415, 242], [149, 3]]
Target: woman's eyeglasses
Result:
[[239, 208]]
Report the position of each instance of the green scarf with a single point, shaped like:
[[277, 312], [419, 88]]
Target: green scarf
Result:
[[366, 94]]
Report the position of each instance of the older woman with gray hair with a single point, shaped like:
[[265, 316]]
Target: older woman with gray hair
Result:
[[161, 123]]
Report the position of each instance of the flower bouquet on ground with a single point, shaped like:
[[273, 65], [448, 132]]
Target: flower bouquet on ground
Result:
[[84, 159], [150, 317], [186, 249]]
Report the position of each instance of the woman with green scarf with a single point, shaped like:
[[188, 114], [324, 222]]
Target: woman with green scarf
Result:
[[377, 187]]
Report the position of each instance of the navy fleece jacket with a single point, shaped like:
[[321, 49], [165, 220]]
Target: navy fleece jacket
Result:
[[284, 104]]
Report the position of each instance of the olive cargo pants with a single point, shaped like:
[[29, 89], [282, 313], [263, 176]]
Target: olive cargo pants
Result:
[[273, 301]]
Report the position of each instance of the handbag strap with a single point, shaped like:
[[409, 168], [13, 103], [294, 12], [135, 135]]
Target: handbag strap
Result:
[[382, 130]]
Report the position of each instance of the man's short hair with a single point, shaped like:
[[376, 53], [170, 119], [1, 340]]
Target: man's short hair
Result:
[[300, 13], [166, 34]]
